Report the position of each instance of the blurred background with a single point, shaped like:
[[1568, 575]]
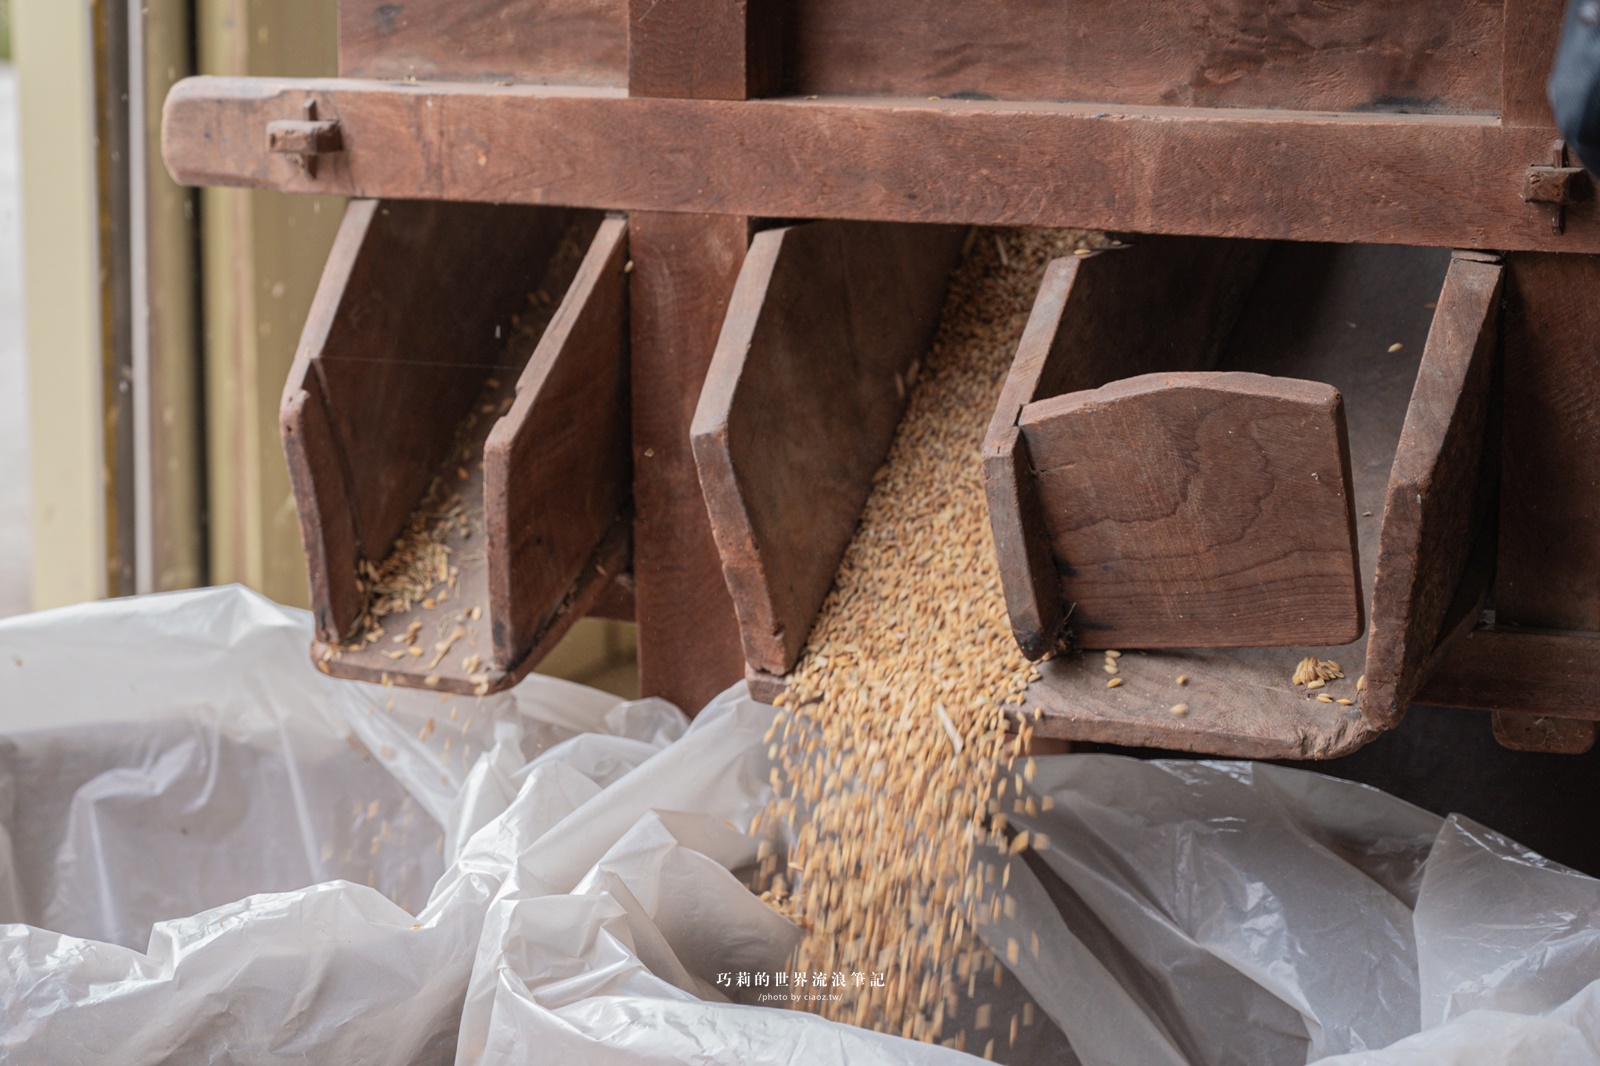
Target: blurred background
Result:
[[142, 359]]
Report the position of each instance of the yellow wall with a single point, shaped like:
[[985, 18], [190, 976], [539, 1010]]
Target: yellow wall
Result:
[[262, 257], [61, 299]]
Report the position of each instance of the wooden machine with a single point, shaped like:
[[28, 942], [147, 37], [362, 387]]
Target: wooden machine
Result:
[[647, 278]]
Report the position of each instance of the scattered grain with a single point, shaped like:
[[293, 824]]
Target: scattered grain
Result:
[[891, 822]]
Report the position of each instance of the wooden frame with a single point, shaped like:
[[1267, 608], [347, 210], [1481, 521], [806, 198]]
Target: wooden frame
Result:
[[700, 117], [1358, 178]]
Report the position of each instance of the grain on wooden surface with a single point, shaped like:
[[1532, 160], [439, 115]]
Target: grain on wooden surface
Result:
[[892, 754], [442, 541]]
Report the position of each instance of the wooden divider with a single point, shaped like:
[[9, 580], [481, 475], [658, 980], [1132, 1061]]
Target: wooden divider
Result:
[[1199, 509], [811, 373], [1159, 303]]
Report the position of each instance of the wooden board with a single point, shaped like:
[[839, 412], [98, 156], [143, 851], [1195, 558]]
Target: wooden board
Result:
[[1438, 55], [1529, 673], [408, 372], [1549, 572], [401, 336], [1532, 30], [1440, 488], [569, 42], [1191, 510], [703, 49], [1555, 736], [557, 475], [1163, 303], [1365, 178], [1321, 313], [684, 271], [811, 374]]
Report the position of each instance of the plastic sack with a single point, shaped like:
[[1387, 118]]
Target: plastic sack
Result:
[[209, 851]]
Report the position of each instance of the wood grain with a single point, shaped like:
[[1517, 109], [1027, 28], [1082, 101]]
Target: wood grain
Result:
[[1361, 178], [1549, 674], [1200, 510], [414, 315], [404, 321], [811, 374], [557, 477], [703, 49], [685, 267], [1555, 736], [1439, 489], [1323, 313], [1436, 56], [1532, 30], [1549, 572], [570, 42], [1159, 303], [321, 498]]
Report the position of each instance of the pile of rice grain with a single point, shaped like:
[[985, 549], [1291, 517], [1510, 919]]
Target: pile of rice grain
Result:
[[892, 741]]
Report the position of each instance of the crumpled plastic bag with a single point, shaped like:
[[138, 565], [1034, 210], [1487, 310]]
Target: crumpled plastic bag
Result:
[[209, 851]]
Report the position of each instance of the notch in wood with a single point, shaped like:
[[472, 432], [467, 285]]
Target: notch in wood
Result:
[[305, 139], [1556, 185]]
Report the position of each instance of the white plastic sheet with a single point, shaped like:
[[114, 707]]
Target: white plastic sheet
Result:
[[210, 852]]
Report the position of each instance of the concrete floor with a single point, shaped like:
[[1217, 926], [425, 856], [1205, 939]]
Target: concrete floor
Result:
[[15, 537]]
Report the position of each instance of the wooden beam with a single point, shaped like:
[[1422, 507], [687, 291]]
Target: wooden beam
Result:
[[1549, 571], [703, 49], [1447, 181], [811, 374], [1376, 55], [573, 42], [684, 270], [1554, 675]]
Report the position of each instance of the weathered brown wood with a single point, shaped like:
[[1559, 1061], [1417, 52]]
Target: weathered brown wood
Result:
[[403, 324], [616, 602], [1329, 314], [1364, 178], [1512, 671], [811, 373], [1021, 535], [1427, 56], [556, 466], [571, 42], [1439, 490], [703, 49], [410, 346], [1200, 510], [321, 495], [1554, 736], [1532, 28], [685, 267], [1549, 571], [1240, 704], [1159, 303]]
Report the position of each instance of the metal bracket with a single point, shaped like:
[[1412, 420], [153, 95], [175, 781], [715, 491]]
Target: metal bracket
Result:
[[1556, 185], [305, 139]]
